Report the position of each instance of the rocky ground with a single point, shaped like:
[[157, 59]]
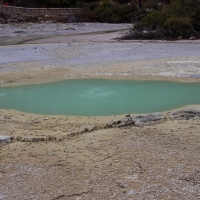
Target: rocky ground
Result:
[[36, 52], [116, 157], [149, 160]]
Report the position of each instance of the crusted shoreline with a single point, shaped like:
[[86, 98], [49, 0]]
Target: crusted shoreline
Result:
[[127, 122]]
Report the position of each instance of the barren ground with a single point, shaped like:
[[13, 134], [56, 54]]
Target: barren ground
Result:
[[160, 161]]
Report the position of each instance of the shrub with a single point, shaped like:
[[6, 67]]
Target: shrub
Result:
[[195, 20], [176, 26], [154, 20], [186, 9], [179, 18], [109, 12], [152, 5], [91, 16]]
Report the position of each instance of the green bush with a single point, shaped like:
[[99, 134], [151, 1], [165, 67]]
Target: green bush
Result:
[[195, 20], [154, 20], [179, 18], [176, 26], [152, 5], [186, 9], [109, 12]]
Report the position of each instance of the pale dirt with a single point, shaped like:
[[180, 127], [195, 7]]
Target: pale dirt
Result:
[[160, 161]]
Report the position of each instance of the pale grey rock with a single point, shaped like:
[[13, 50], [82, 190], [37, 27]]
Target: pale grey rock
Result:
[[5, 139], [149, 119], [2, 196]]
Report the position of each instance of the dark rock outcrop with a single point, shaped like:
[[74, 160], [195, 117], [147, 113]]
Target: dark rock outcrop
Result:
[[184, 114]]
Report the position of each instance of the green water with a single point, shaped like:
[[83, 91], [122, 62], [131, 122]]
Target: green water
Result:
[[99, 97]]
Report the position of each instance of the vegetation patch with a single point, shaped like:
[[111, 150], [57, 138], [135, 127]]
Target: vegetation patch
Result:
[[108, 12], [152, 19], [178, 20]]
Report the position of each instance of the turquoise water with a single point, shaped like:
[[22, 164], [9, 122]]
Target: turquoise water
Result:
[[99, 97]]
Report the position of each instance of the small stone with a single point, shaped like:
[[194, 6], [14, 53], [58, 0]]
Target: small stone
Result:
[[130, 192]]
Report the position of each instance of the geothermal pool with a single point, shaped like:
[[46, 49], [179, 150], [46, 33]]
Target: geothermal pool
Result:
[[93, 97]]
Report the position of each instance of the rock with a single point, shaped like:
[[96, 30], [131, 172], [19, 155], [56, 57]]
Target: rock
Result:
[[128, 121], [89, 129], [18, 31], [30, 139], [180, 38], [131, 192], [5, 139], [184, 114], [59, 139], [51, 138], [2, 196], [192, 38], [114, 124], [149, 119], [69, 28], [72, 134]]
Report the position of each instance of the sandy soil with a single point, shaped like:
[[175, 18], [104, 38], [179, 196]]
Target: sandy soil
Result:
[[160, 161]]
